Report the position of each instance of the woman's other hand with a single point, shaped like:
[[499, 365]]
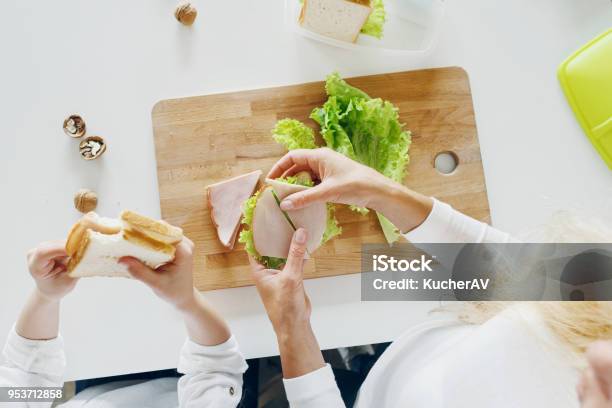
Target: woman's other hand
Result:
[[345, 181], [288, 307], [282, 292]]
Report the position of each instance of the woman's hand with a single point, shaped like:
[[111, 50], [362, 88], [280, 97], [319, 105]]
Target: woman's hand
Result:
[[595, 388], [282, 292], [47, 265], [345, 181], [288, 308], [172, 282]]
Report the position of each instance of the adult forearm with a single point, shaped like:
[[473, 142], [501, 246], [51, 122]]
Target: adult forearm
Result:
[[405, 208], [39, 318], [299, 351], [204, 325]]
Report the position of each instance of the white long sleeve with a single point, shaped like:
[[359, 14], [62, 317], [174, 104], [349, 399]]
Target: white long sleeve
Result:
[[32, 363], [315, 389], [213, 375], [213, 378], [318, 389], [444, 224]]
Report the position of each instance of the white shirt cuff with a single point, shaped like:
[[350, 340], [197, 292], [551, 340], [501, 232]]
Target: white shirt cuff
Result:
[[317, 389], [444, 224], [44, 357], [224, 357]]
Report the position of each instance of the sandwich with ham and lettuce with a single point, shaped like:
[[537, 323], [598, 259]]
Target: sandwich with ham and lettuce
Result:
[[268, 230]]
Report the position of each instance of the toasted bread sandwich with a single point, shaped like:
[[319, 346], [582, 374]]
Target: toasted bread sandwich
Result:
[[95, 244]]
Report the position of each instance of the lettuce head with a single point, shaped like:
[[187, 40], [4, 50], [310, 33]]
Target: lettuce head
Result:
[[366, 130], [362, 128]]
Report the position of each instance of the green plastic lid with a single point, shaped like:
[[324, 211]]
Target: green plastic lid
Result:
[[586, 79]]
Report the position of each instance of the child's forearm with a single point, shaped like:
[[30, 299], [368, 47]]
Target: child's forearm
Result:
[[204, 325], [39, 319]]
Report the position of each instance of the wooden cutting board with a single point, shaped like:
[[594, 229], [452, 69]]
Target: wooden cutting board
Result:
[[205, 139]]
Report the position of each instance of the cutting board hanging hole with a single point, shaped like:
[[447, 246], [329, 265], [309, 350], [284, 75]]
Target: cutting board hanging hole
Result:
[[446, 162]]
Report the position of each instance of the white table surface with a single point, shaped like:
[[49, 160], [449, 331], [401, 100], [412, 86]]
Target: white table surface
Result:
[[111, 61]]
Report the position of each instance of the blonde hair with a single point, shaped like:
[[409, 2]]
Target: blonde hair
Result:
[[575, 324]]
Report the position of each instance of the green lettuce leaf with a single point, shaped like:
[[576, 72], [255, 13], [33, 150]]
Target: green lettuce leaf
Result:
[[334, 135], [293, 134], [295, 180], [360, 210], [337, 87], [246, 235], [333, 228], [390, 231], [366, 130], [375, 22]]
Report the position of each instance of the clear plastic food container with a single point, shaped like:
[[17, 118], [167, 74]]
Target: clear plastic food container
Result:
[[412, 27]]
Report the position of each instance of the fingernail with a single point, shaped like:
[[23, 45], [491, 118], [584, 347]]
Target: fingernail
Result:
[[286, 205], [124, 260], [300, 236]]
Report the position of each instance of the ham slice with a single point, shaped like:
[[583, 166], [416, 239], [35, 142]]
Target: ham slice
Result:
[[225, 201], [272, 232]]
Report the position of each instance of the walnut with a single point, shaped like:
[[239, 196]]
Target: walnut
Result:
[[85, 200], [74, 126], [92, 147], [185, 13]]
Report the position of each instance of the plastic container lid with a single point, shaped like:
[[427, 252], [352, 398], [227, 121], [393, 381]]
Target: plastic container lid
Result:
[[412, 27], [586, 79]]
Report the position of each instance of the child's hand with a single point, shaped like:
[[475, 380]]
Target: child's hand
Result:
[[172, 282], [47, 265]]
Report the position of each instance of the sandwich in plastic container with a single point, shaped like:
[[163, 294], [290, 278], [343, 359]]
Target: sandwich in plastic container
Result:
[[410, 27]]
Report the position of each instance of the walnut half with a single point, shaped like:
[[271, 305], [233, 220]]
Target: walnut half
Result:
[[74, 126], [92, 147]]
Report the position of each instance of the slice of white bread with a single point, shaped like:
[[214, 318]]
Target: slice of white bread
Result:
[[339, 19], [95, 244]]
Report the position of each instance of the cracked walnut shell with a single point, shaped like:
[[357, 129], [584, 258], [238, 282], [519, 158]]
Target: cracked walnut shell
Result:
[[74, 126], [92, 147]]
